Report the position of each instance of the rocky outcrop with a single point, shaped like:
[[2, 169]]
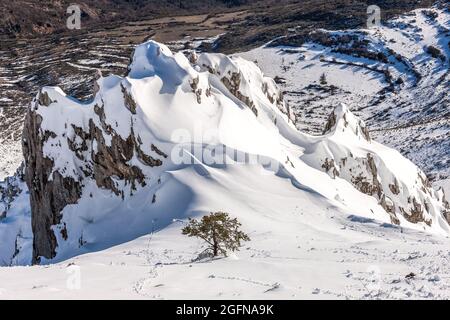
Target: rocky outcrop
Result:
[[102, 155], [196, 89], [240, 84], [411, 197], [232, 81], [50, 192], [130, 104], [330, 124], [358, 126]]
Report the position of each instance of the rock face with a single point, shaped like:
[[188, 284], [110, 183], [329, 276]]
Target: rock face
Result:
[[239, 83], [51, 191], [402, 189]]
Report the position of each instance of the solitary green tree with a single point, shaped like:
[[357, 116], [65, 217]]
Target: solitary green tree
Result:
[[218, 230]]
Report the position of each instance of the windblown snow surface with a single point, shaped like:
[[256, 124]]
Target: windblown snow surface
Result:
[[313, 233]]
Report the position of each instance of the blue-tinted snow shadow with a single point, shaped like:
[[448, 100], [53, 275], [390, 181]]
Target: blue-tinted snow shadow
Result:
[[360, 219]]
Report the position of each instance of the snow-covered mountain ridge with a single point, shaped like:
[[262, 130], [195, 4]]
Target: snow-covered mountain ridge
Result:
[[171, 139], [394, 76]]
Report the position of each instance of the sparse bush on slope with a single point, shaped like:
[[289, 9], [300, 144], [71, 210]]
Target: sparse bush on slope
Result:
[[435, 52]]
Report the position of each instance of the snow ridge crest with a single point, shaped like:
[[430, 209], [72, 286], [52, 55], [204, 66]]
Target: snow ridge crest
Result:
[[342, 120]]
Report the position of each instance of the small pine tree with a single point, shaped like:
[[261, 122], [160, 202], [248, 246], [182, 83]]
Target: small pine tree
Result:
[[323, 79], [219, 231]]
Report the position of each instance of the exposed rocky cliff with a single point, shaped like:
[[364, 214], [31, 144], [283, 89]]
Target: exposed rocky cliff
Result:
[[401, 188], [107, 164]]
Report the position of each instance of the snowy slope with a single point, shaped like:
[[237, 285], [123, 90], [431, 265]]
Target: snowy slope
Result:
[[300, 249], [15, 222], [117, 160], [385, 75], [182, 136]]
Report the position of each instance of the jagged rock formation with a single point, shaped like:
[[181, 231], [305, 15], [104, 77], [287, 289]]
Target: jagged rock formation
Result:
[[237, 81], [105, 162], [50, 192], [106, 171], [102, 143], [377, 174]]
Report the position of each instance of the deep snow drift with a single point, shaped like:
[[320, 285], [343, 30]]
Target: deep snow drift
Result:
[[179, 137]]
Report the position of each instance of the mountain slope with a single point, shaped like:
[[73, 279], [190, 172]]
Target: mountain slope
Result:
[[180, 136], [22, 18], [299, 249], [27, 18], [386, 75]]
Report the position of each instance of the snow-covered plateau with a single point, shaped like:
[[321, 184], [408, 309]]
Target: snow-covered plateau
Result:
[[96, 209]]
